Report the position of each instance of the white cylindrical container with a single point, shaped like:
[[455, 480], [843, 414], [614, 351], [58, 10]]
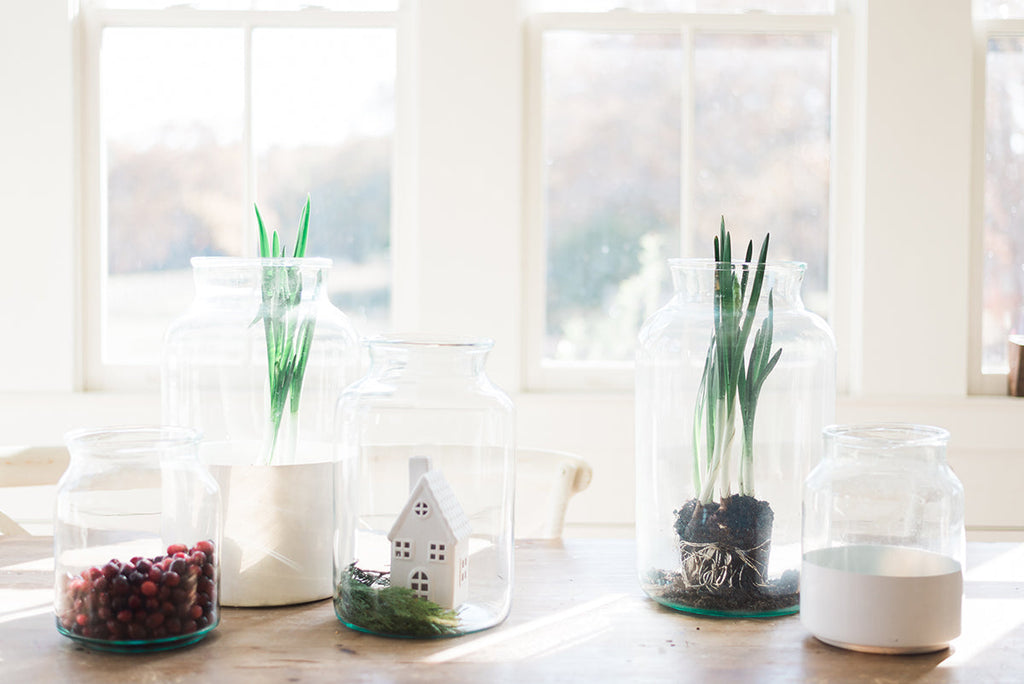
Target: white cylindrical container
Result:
[[883, 541]]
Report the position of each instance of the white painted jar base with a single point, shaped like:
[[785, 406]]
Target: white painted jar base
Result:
[[881, 599]]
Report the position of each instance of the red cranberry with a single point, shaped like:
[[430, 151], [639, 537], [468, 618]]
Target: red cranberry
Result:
[[112, 568], [155, 620], [176, 548], [171, 579], [119, 585], [149, 588], [81, 619], [124, 616], [197, 558]]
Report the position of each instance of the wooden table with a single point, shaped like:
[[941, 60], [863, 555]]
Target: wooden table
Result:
[[578, 615]]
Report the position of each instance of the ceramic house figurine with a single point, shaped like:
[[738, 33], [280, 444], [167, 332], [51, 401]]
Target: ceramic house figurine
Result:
[[430, 539]]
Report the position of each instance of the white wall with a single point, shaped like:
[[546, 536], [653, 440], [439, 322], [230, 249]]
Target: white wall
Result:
[[38, 275]]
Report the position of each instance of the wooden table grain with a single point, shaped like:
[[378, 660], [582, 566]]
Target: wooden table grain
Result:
[[578, 615]]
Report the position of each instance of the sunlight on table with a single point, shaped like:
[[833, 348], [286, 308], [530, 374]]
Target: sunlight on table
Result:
[[541, 636]]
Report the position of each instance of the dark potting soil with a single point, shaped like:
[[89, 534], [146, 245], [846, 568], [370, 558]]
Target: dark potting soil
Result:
[[724, 550], [774, 597]]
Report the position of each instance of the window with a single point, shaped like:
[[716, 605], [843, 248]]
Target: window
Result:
[[438, 552], [646, 129], [419, 584], [402, 549], [1002, 269], [463, 570], [421, 509], [905, 260], [199, 114]]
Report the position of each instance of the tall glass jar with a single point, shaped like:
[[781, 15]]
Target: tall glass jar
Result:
[[425, 484], [718, 492], [256, 364], [136, 539], [883, 540]]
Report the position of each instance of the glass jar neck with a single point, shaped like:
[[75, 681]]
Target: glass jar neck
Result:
[[227, 276], [902, 442], [429, 356], [695, 280]]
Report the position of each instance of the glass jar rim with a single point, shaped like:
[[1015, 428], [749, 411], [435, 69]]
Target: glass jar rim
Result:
[[704, 263], [229, 262], [430, 341], [881, 436], [132, 440]]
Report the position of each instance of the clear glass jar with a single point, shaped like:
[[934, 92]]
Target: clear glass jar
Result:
[[425, 485], [267, 415], [883, 540], [136, 540], [725, 540]]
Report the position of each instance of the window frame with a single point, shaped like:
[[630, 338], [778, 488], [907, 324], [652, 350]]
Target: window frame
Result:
[[107, 376], [542, 374], [979, 382]]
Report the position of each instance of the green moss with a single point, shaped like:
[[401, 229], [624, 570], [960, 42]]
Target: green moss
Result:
[[367, 601]]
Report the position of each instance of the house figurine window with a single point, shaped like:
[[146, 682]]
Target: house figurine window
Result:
[[403, 548], [420, 584], [432, 528]]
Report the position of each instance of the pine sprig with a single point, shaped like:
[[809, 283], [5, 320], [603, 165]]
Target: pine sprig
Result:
[[727, 379], [369, 602], [288, 333]]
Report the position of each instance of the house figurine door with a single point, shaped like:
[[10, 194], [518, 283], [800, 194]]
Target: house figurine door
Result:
[[430, 539]]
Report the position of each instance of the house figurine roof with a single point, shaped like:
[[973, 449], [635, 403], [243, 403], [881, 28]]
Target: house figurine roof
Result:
[[432, 486]]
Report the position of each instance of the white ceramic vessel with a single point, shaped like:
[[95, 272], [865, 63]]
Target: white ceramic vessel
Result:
[[881, 599]]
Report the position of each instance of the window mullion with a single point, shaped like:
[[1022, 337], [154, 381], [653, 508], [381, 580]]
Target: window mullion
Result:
[[687, 157], [250, 193]]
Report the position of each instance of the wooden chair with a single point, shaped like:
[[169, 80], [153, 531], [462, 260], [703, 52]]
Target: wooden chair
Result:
[[545, 482], [28, 467]]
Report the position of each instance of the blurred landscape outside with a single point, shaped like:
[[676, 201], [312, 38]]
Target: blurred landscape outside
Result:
[[615, 179], [1003, 238], [173, 121], [621, 192]]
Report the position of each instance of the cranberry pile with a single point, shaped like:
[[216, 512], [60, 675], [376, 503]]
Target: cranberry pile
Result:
[[143, 598]]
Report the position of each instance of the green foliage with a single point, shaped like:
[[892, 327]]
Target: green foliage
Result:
[[727, 379], [366, 601], [288, 334]]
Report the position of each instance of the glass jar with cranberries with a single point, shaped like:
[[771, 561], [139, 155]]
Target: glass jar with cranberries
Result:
[[137, 533]]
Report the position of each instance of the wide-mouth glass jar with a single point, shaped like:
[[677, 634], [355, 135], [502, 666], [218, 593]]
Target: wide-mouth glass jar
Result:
[[424, 491], [883, 540], [137, 533], [257, 364], [730, 404]]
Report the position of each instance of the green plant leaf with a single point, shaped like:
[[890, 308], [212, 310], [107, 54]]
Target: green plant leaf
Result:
[[300, 240]]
